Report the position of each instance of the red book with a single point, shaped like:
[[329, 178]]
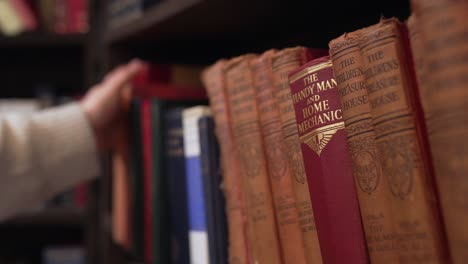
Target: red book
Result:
[[77, 16], [327, 163], [147, 133], [156, 81]]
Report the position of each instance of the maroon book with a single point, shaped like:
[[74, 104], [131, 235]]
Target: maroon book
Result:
[[327, 163]]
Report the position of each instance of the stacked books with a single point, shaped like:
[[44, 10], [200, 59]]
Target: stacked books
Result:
[[349, 155]]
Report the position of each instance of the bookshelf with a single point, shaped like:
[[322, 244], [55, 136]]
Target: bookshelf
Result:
[[59, 61], [202, 31], [58, 217], [39, 39]]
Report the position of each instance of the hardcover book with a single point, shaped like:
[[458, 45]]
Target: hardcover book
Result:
[[399, 136], [283, 62], [214, 197], [234, 191], [281, 180], [246, 130], [177, 185], [198, 236], [444, 95], [371, 185], [327, 163]]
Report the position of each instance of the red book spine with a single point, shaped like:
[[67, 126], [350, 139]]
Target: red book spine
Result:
[[327, 163], [78, 16], [147, 172]]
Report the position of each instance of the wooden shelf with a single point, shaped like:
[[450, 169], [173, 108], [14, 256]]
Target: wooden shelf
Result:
[[68, 217], [206, 30], [39, 39], [152, 17]]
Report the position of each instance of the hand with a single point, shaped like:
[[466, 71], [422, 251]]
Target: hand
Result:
[[106, 103]]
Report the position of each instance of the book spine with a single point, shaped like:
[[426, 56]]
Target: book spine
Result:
[[327, 163], [78, 16], [292, 244], [391, 88], [246, 130], [61, 19], [159, 235], [121, 193], [283, 63], [212, 180], [136, 178], [234, 191], [177, 185], [445, 98], [198, 237], [371, 186], [148, 191]]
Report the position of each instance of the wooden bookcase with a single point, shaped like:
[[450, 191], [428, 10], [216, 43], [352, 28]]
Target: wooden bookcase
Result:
[[202, 31], [28, 61]]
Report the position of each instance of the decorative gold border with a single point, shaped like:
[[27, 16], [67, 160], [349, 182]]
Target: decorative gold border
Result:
[[310, 70]]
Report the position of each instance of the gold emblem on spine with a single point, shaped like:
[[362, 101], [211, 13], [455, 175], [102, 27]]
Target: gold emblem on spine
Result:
[[318, 139]]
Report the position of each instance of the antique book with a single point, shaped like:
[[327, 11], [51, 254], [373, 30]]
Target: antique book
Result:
[[284, 200], [283, 62], [327, 163], [198, 234], [444, 95], [371, 186], [246, 130], [176, 185], [214, 198], [148, 186], [239, 244], [399, 135]]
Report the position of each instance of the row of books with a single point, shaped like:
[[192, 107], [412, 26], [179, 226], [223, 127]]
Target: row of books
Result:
[[55, 16], [349, 155], [162, 178]]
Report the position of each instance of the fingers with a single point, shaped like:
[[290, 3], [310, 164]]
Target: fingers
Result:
[[117, 79]]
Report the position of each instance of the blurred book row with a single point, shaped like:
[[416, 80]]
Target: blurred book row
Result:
[[52, 16]]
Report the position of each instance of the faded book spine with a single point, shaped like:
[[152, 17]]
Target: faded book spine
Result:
[[371, 186], [404, 160], [246, 129], [283, 62], [236, 211], [443, 28], [327, 163], [292, 244]]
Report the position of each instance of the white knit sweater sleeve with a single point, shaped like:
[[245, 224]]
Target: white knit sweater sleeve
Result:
[[43, 155]]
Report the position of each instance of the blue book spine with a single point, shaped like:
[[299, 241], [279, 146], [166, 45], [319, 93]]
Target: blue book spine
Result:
[[198, 235], [177, 186]]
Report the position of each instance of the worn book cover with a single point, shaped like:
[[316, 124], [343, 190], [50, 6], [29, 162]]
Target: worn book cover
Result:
[[284, 200], [402, 150], [246, 130], [283, 62], [327, 162], [233, 186], [444, 95]]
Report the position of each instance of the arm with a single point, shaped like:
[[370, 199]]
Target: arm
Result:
[[53, 150]]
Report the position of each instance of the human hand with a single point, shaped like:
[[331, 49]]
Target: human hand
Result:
[[106, 103]]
